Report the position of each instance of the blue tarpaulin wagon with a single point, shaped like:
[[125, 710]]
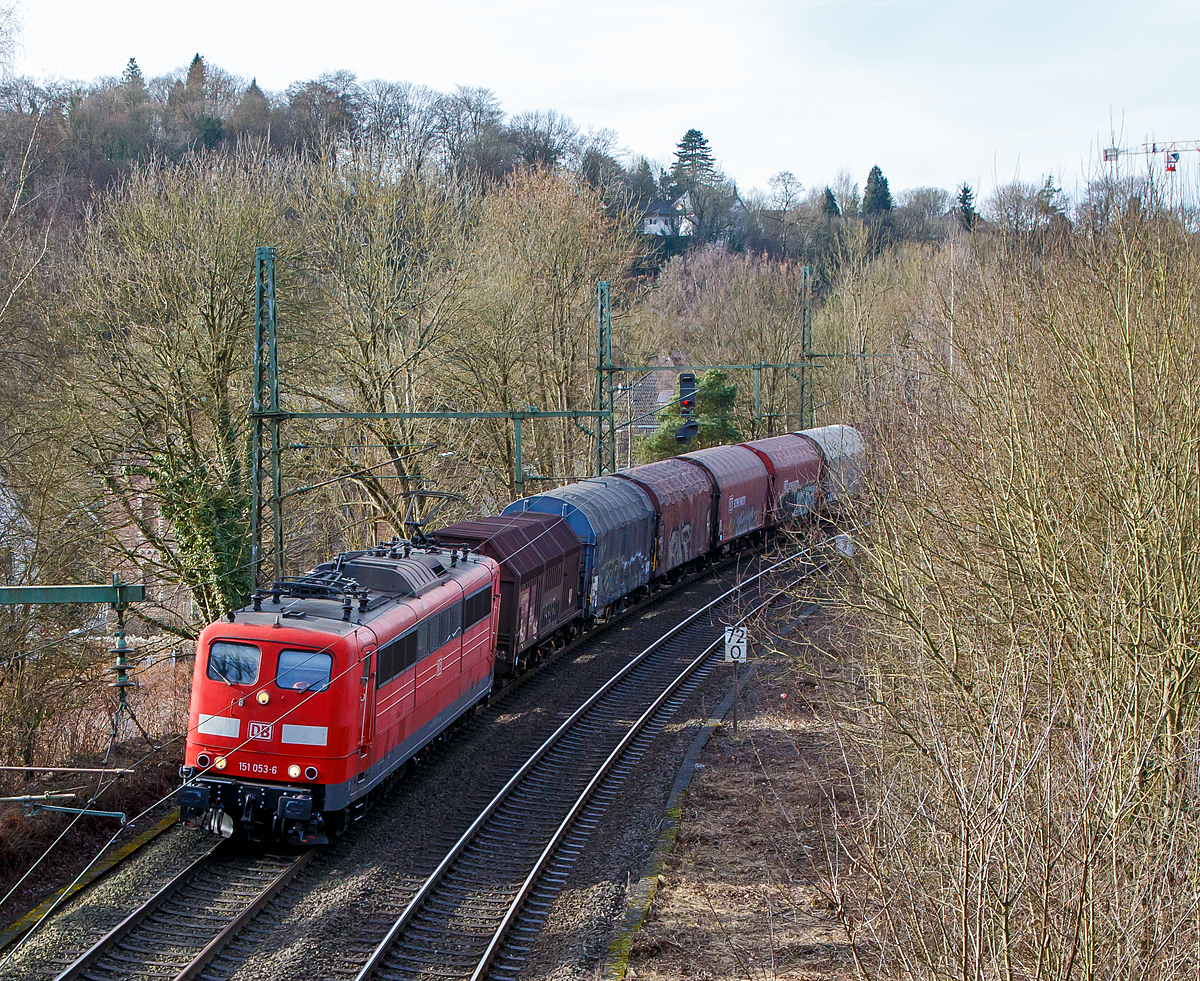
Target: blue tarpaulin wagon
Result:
[[615, 521]]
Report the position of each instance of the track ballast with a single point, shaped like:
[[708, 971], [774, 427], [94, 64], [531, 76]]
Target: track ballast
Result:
[[478, 911]]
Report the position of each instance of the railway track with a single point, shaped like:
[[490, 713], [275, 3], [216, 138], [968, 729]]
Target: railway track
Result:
[[510, 686], [507, 687], [181, 928], [475, 915]]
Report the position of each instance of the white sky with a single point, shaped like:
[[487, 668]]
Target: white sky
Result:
[[934, 91]]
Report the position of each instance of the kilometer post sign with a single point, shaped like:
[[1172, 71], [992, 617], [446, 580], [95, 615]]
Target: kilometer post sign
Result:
[[736, 642]]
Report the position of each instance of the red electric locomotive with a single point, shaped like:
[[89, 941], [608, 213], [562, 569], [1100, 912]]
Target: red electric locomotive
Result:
[[304, 702]]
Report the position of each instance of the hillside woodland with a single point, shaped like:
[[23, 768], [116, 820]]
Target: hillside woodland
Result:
[[1021, 738]]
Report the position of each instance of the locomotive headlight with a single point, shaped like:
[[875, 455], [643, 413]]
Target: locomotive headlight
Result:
[[263, 697], [220, 763], [294, 771]]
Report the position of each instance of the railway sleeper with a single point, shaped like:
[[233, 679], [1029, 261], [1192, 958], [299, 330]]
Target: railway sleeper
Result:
[[483, 916]]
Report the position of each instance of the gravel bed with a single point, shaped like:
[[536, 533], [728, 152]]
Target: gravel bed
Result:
[[337, 921], [584, 918], [88, 915], [580, 927], [324, 923], [746, 891]]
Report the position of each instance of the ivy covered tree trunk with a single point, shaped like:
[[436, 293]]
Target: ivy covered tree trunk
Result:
[[209, 515], [163, 330]]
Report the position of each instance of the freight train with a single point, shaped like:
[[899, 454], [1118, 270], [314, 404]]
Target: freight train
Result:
[[310, 698]]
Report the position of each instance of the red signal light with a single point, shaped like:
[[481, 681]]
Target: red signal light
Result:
[[687, 395]]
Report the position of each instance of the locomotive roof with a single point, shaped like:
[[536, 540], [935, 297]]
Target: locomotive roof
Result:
[[371, 581]]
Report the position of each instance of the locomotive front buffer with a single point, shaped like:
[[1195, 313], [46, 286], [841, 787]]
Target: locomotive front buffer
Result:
[[264, 811]]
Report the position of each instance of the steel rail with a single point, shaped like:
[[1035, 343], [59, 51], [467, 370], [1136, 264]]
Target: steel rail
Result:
[[118, 933], [90, 959], [432, 881], [238, 923], [605, 625], [502, 692], [598, 778]]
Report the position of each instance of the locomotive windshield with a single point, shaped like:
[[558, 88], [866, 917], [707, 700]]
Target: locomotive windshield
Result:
[[304, 670], [234, 664]]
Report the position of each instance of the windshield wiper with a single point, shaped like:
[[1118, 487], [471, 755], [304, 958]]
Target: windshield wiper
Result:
[[221, 673]]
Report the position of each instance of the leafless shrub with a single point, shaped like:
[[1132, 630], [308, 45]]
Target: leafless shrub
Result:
[[1024, 737]]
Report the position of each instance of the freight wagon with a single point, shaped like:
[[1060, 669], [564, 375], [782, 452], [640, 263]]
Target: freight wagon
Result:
[[308, 699]]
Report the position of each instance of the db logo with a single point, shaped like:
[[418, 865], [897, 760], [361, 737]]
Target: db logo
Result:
[[261, 730]]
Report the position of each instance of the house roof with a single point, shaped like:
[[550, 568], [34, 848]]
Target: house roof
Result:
[[658, 207], [651, 393]]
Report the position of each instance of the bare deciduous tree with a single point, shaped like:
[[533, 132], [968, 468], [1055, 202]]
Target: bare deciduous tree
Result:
[[1026, 731], [163, 315], [388, 253], [528, 334]]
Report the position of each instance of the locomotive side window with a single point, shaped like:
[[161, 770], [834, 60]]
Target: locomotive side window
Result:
[[477, 607], [439, 629], [450, 621], [395, 657], [235, 664], [304, 670], [384, 666], [407, 646]]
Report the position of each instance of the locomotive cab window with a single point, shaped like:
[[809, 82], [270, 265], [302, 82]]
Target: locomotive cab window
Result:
[[235, 664], [304, 670]]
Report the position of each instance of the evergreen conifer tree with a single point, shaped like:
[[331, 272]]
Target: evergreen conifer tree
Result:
[[715, 400], [829, 205], [134, 84], [642, 182], [132, 76], [877, 199], [252, 116], [194, 86], [965, 207], [694, 163]]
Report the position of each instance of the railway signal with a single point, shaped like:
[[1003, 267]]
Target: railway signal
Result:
[[687, 408], [686, 432], [687, 395]]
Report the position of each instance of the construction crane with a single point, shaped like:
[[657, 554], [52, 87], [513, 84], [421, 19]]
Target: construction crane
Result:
[[1170, 151]]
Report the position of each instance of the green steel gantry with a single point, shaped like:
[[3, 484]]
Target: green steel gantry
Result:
[[605, 371], [268, 416], [118, 595]]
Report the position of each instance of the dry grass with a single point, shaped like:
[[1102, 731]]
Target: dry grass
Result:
[[77, 735], [745, 893], [23, 838]]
